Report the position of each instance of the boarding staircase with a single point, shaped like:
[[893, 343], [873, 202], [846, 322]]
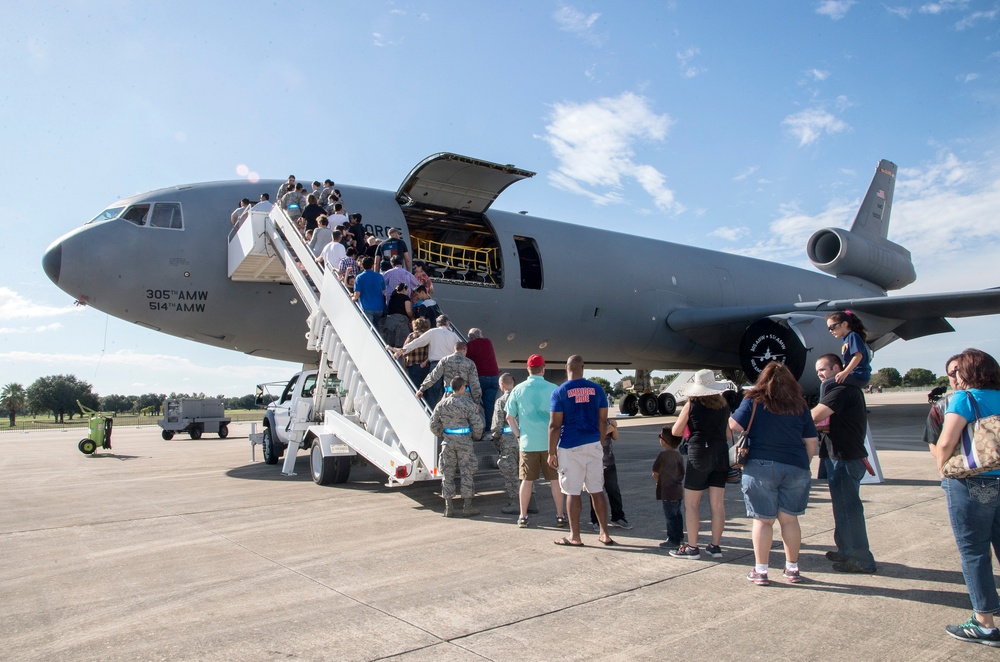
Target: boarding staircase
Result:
[[378, 417]]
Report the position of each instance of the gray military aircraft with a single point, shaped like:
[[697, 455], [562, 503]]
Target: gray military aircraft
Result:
[[159, 260]]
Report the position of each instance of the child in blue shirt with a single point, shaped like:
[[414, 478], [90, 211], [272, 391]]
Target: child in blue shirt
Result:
[[855, 353]]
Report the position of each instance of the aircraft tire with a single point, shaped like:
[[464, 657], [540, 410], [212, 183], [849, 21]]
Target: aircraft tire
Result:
[[733, 399], [629, 404], [87, 447], [271, 454], [667, 404], [167, 435], [223, 431], [195, 433], [648, 405]]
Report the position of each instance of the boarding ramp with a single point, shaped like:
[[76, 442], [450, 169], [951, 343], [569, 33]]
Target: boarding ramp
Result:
[[380, 417]]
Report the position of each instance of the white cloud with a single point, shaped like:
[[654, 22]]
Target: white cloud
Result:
[[835, 9], [31, 329], [570, 20], [967, 78], [14, 306], [594, 143], [818, 74], [746, 173], [810, 124], [730, 234], [975, 17], [942, 6], [684, 58]]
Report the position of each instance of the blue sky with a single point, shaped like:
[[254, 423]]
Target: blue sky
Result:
[[737, 126]]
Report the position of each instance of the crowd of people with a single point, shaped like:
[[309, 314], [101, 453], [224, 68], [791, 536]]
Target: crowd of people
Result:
[[562, 434]]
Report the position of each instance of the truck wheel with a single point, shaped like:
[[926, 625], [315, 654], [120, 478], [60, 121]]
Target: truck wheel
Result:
[[647, 404], [87, 447], [167, 435], [223, 431], [271, 453], [629, 404], [328, 470], [195, 433], [667, 404]]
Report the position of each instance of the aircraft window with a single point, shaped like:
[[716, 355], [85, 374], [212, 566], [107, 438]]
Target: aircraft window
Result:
[[136, 214], [167, 215], [107, 214], [531, 263], [456, 247]]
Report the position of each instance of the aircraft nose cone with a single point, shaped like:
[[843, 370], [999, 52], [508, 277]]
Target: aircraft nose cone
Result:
[[52, 262]]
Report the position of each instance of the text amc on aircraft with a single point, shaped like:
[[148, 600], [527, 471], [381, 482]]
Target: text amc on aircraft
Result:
[[159, 260]]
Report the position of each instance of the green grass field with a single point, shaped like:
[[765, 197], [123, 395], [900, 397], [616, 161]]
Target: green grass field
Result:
[[28, 423]]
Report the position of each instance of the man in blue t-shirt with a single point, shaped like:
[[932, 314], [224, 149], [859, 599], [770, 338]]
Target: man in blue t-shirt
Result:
[[578, 419], [369, 291]]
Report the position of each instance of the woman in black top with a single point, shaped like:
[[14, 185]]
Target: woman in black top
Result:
[[312, 212], [398, 315], [706, 417]]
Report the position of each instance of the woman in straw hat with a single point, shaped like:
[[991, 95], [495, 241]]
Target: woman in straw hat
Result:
[[706, 415]]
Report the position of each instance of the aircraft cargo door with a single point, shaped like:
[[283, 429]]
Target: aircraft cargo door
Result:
[[444, 200], [451, 182]]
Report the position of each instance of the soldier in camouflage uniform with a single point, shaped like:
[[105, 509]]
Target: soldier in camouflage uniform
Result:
[[293, 202], [507, 446], [458, 419], [455, 365]]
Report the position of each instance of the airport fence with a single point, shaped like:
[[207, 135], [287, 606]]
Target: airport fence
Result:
[[31, 423]]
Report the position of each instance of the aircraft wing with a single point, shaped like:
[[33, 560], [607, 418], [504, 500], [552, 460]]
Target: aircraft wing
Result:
[[920, 314]]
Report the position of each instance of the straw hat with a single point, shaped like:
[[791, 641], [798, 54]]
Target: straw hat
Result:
[[704, 384]]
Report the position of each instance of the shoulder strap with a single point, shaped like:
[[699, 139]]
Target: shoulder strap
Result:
[[752, 412], [975, 405]]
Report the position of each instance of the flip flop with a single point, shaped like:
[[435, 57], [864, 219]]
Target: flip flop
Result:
[[609, 542], [566, 542]]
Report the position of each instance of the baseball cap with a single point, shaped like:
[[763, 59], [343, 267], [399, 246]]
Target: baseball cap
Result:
[[535, 361]]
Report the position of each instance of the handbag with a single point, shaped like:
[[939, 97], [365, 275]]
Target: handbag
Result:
[[978, 449], [740, 450]]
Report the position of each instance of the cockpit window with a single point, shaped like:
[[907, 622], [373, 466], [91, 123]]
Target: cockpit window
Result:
[[167, 215], [136, 214], [107, 214]]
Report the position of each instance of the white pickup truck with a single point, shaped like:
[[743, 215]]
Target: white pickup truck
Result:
[[288, 420]]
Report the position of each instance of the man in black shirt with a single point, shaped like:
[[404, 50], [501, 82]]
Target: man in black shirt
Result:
[[844, 455]]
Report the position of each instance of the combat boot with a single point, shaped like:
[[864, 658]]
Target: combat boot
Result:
[[511, 508], [449, 510], [468, 510]]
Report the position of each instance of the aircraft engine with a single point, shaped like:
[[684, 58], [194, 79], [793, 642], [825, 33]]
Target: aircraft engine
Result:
[[795, 340], [840, 252]]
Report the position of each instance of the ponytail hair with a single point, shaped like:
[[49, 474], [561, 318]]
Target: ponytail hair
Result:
[[854, 322]]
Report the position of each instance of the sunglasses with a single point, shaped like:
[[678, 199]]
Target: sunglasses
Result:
[[833, 326]]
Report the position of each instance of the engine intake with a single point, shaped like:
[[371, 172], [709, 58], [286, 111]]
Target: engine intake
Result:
[[795, 340], [840, 252]]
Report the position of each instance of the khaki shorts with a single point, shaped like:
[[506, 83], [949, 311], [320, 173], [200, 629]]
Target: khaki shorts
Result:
[[581, 467], [534, 462]]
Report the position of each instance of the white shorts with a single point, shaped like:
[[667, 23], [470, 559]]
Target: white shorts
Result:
[[581, 467]]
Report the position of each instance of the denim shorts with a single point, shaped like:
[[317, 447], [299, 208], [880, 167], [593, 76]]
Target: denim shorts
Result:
[[769, 487]]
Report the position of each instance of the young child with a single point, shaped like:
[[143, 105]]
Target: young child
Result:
[[668, 472], [856, 355]]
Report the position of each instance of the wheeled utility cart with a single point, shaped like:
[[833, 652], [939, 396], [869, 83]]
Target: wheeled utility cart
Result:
[[195, 416]]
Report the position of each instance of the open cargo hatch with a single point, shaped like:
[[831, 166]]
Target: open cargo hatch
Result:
[[452, 182]]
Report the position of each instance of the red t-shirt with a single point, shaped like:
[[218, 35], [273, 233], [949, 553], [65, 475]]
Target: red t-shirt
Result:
[[480, 351]]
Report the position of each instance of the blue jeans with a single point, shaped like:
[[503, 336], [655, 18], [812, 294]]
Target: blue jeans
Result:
[[974, 509], [674, 512], [490, 386], [433, 394], [850, 535]]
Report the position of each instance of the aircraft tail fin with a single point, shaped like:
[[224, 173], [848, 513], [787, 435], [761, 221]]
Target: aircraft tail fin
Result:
[[872, 221], [864, 252]]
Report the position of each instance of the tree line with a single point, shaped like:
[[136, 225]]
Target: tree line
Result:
[[58, 395]]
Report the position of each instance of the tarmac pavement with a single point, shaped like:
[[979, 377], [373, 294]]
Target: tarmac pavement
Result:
[[188, 550]]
